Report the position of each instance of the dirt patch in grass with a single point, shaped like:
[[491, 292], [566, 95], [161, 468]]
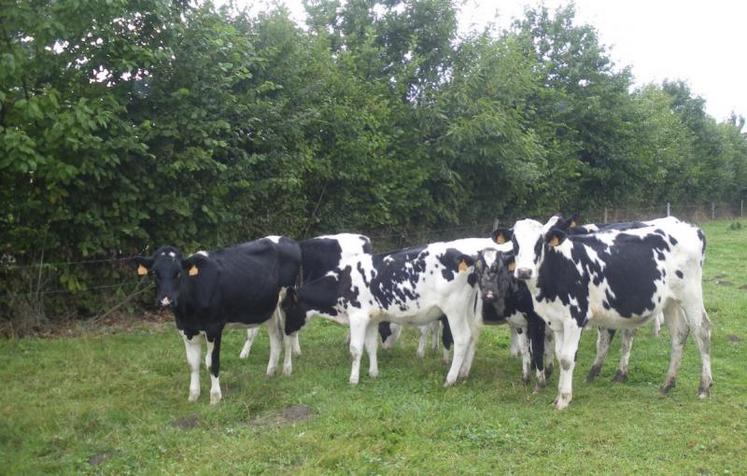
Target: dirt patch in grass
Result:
[[733, 338], [99, 458], [187, 422], [287, 416]]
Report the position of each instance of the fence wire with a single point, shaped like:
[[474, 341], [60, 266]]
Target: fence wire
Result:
[[391, 241]]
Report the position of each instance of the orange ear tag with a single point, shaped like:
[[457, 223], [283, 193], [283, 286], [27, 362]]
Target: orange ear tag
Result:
[[500, 239], [554, 242], [463, 266], [142, 270], [511, 266], [193, 271]]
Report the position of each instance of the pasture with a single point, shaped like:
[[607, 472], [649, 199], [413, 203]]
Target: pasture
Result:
[[115, 401]]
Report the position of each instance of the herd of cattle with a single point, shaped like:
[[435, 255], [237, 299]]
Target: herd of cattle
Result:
[[546, 281]]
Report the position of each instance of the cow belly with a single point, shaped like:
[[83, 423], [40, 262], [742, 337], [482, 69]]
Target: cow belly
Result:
[[409, 315]]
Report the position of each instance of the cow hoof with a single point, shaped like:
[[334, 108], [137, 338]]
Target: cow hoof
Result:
[[704, 391], [244, 353], [193, 396], [373, 373], [215, 397], [525, 379], [548, 370], [421, 355], [562, 401], [353, 380], [620, 377], [296, 352], [287, 370], [668, 385], [271, 371], [593, 373]]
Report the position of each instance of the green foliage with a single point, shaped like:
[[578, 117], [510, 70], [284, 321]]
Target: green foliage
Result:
[[126, 125]]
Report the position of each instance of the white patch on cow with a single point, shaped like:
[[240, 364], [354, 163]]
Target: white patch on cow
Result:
[[274, 238], [202, 253], [193, 350], [165, 301], [172, 254]]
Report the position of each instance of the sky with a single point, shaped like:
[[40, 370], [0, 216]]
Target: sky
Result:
[[700, 42]]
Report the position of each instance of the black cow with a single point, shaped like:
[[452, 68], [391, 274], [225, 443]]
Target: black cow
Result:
[[514, 308], [208, 290]]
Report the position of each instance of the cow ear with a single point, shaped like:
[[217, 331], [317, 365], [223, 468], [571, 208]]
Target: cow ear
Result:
[[554, 237], [464, 262], [509, 261], [142, 264], [574, 221], [193, 264], [501, 235]]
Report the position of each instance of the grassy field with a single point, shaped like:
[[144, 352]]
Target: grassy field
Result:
[[117, 403]]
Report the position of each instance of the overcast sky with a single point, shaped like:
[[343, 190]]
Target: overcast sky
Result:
[[701, 42]]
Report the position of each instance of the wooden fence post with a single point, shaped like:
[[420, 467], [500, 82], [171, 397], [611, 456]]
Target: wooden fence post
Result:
[[713, 210], [669, 209], [605, 214]]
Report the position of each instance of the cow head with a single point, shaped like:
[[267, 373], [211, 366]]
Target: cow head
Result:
[[170, 271], [532, 240], [493, 271], [294, 310]]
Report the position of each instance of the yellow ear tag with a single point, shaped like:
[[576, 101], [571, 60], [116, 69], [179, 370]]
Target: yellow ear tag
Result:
[[193, 271], [573, 224], [142, 270], [554, 242], [463, 266], [511, 266], [500, 239]]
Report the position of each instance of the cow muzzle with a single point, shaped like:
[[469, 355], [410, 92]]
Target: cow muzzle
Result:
[[523, 273], [488, 296]]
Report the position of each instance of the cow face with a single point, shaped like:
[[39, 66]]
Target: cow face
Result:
[[531, 241], [294, 310], [167, 267], [493, 271]]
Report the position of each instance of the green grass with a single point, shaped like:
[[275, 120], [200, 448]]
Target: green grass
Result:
[[118, 404]]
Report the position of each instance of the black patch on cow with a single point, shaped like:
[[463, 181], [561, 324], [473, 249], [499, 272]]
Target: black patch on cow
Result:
[[679, 274], [446, 337], [320, 255], [450, 261], [702, 238], [385, 330]]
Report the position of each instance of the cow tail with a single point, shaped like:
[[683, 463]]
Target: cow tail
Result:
[[536, 329]]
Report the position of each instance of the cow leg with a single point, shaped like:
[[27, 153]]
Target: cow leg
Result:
[[462, 336], [604, 337], [358, 325], [567, 358], [537, 347], [276, 344], [422, 341], [251, 334], [371, 343], [678, 332], [193, 350], [549, 355], [435, 334], [524, 353], [627, 343], [287, 354], [700, 326], [515, 348], [658, 319], [296, 344], [469, 356], [212, 361]]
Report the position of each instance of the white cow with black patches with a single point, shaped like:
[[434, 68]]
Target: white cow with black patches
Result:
[[412, 286], [616, 279]]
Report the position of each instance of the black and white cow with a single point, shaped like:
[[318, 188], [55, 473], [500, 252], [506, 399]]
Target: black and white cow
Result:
[[319, 255], [412, 286], [208, 290], [616, 279], [507, 301]]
